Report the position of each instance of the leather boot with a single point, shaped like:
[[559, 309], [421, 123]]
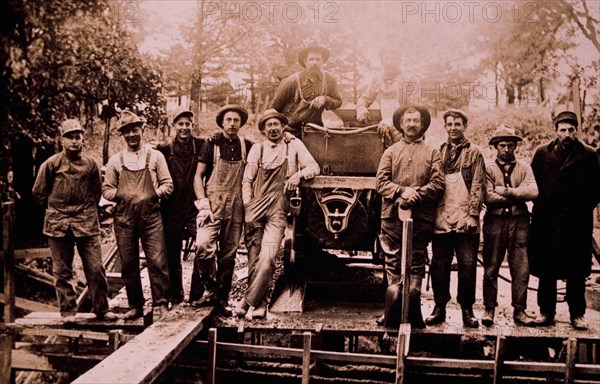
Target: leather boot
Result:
[[438, 316], [415, 316], [469, 319], [393, 306], [488, 317]]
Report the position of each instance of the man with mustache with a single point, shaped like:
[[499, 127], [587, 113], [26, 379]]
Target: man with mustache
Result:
[[220, 210], [568, 177], [303, 96], [136, 179], [409, 178], [457, 220], [509, 184], [182, 154], [275, 167], [68, 187]]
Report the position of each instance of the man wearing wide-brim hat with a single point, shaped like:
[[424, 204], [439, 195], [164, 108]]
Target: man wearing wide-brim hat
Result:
[[220, 210], [410, 181], [136, 179], [509, 185], [303, 96], [275, 167], [568, 177]]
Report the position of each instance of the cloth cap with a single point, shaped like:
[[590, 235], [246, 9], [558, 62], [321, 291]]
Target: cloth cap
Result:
[[235, 108], [425, 116], [460, 112], [569, 116], [303, 54], [269, 114], [129, 119], [504, 133], [181, 111], [70, 125]]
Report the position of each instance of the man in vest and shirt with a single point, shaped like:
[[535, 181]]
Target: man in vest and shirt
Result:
[[409, 177], [275, 168], [303, 96], [68, 187], [509, 185], [220, 210], [136, 179], [182, 154], [457, 220], [568, 177]]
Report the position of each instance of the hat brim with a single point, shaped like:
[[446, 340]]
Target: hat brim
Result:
[[72, 130], [190, 114], [425, 116], [242, 112], [130, 125], [496, 139], [271, 115], [304, 54]]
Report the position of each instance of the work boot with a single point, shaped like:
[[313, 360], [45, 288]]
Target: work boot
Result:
[[222, 308], [207, 300], [380, 320], [579, 323], [107, 316], [438, 316], [261, 311], [544, 320], [159, 311], [521, 318], [242, 308], [469, 319], [415, 316], [133, 313], [488, 317]]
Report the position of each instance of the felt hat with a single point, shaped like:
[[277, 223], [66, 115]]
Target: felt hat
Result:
[[269, 114], [425, 116], [303, 54], [569, 116], [235, 108], [504, 133], [455, 111], [70, 125], [181, 111], [129, 119]]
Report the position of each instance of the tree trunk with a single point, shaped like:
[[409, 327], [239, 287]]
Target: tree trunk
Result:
[[106, 140]]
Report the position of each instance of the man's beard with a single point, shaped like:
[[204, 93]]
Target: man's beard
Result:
[[567, 142]]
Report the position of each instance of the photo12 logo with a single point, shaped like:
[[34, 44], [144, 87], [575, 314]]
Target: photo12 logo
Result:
[[469, 11], [125, 11], [270, 11]]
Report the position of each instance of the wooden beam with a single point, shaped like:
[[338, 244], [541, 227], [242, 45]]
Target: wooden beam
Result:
[[499, 359], [402, 350], [6, 342], [307, 342], [8, 246], [29, 305], [211, 358], [570, 360], [145, 357], [29, 361]]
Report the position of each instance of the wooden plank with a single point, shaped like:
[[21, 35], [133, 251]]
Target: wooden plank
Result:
[[401, 358], [6, 341], [145, 357], [30, 305], [353, 182], [29, 361], [211, 358], [30, 253], [499, 359], [8, 241], [570, 360], [306, 352]]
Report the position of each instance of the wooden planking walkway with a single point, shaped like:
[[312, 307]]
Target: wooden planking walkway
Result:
[[145, 357]]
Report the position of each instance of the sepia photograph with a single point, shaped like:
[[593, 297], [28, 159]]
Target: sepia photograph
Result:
[[346, 191]]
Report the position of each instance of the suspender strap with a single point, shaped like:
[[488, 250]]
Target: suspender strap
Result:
[[506, 172], [216, 153], [147, 158]]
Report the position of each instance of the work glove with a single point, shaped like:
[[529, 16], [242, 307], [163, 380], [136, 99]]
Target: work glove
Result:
[[205, 215], [362, 114], [317, 102]]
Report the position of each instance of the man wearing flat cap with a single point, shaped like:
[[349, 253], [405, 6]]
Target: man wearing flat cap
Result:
[[568, 177], [275, 167], [136, 179], [182, 154], [220, 210], [457, 220], [509, 185], [409, 178], [68, 187], [303, 96]]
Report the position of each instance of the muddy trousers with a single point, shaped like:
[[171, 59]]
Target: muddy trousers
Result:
[[216, 246], [150, 231], [575, 297], [90, 252], [391, 245], [263, 240]]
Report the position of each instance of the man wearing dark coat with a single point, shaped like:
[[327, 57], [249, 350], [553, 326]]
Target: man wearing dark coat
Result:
[[567, 173]]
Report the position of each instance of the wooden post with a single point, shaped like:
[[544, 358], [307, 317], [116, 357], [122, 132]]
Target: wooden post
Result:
[[499, 359], [407, 230], [570, 360], [211, 358], [8, 248], [306, 358], [401, 351], [6, 344], [114, 339]]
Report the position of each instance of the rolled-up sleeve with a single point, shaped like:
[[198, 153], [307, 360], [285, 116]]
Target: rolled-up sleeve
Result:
[[163, 176], [250, 173], [111, 179], [308, 167]]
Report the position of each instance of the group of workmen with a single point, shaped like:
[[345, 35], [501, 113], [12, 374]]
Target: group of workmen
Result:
[[225, 187]]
